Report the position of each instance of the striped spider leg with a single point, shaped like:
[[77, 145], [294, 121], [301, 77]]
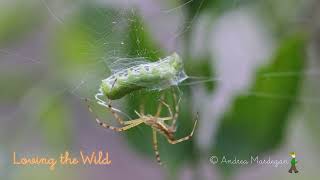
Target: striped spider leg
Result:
[[156, 122], [159, 126]]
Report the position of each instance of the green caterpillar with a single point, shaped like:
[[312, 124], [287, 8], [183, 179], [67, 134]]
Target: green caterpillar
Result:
[[154, 75]]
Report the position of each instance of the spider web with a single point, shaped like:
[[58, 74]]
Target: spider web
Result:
[[114, 44], [107, 51], [118, 20], [113, 41]]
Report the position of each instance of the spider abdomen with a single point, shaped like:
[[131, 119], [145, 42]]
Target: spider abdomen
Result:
[[163, 129]]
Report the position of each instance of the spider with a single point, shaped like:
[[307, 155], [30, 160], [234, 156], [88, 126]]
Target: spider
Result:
[[156, 122]]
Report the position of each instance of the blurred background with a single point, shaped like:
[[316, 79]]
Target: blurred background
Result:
[[254, 68]]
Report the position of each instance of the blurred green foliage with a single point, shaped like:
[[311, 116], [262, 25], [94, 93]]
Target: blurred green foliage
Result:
[[12, 91], [18, 18], [214, 7], [256, 122], [201, 69], [141, 138], [55, 122], [141, 42], [85, 38]]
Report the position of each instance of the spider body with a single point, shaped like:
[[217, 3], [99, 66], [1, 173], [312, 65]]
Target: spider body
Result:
[[154, 75], [157, 123]]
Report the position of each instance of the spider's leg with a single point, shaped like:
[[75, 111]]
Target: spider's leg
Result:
[[110, 108], [172, 141], [168, 107], [117, 128], [142, 108], [176, 103], [132, 121], [160, 105], [129, 124], [169, 118], [115, 114], [155, 146]]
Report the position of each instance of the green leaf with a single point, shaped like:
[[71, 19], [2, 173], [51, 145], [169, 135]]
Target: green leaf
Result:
[[173, 156], [141, 42], [91, 34], [201, 69], [255, 123], [84, 44]]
